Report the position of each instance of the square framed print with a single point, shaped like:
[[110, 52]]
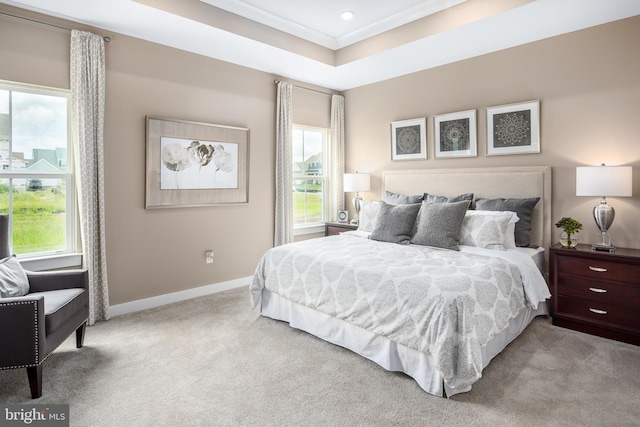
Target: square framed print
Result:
[[343, 217], [455, 135], [409, 139], [195, 164], [513, 128]]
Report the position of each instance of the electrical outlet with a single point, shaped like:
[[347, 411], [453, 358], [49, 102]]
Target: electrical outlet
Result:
[[208, 256]]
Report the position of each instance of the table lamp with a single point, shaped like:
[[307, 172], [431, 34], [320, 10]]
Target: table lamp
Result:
[[603, 181], [357, 182]]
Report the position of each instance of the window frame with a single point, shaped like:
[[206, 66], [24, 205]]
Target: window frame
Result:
[[316, 227], [67, 257]]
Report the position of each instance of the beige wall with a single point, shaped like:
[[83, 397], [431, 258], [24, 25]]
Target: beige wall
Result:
[[588, 84], [154, 252]]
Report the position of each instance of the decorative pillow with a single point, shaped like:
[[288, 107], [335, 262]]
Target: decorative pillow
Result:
[[432, 198], [439, 224], [13, 279], [401, 199], [522, 207], [395, 222], [486, 229], [368, 215]]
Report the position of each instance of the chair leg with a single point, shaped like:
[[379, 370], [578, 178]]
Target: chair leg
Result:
[[80, 335], [35, 381]]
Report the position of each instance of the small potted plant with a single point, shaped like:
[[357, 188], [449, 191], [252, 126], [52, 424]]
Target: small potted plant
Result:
[[569, 226]]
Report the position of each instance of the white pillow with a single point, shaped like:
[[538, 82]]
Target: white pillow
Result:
[[510, 238], [368, 215], [13, 279], [488, 229]]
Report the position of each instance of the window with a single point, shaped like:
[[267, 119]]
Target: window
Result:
[[36, 184], [309, 147]]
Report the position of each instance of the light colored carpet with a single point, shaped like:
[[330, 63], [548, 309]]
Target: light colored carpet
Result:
[[212, 361]]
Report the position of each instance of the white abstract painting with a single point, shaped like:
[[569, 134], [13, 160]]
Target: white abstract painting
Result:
[[189, 165]]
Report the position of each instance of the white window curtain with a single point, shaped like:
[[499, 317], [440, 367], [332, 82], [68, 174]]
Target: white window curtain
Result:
[[284, 185], [335, 194], [87, 119]]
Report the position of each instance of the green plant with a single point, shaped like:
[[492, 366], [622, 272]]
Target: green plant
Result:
[[569, 226]]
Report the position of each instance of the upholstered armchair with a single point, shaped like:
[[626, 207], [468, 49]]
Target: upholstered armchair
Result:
[[35, 324]]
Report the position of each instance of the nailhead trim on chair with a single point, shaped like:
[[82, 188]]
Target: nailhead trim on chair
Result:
[[35, 304]]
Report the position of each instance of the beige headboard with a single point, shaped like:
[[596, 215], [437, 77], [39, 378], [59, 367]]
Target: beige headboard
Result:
[[507, 182]]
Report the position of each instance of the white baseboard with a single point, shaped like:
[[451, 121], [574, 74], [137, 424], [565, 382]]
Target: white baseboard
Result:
[[153, 302]]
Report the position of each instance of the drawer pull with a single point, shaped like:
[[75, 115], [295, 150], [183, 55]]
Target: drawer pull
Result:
[[596, 311], [598, 269], [598, 290]]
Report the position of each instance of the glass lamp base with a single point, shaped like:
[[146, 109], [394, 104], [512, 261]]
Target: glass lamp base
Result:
[[604, 244]]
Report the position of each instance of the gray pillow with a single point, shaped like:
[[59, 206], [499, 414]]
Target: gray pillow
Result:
[[439, 224], [395, 222], [522, 207], [401, 199], [432, 198], [13, 279]]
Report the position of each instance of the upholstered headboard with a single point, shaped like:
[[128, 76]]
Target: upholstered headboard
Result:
[[505, 182]]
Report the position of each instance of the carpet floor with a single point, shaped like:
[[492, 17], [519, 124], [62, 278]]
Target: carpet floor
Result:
[[213, 361]]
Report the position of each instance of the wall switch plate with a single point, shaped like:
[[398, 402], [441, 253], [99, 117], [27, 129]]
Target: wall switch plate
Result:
[[208, 257]]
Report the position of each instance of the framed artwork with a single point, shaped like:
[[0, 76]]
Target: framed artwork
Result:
[[195, 164], [455, 135], [513, 128], [409, 139]]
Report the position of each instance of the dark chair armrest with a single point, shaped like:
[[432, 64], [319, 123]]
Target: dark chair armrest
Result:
[[41, 281], [22, 331]]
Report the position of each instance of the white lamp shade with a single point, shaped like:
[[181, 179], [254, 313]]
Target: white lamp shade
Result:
[[614, 181], [357, 182]]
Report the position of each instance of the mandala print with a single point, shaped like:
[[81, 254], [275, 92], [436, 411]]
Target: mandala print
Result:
[[454, 135], [408, 140], [512, 129]]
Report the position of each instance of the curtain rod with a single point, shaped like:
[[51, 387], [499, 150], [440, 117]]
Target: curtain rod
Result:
[[105, 38], [308, 88]]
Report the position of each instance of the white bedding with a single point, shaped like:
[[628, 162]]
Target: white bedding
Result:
[[371, 295]]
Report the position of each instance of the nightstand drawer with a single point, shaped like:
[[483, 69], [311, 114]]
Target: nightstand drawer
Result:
[[334, 228], [624, 317], [595, 290], [599, 269]]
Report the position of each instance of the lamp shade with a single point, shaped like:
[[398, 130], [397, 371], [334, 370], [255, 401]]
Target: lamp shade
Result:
[[357, 182], [614, 181]]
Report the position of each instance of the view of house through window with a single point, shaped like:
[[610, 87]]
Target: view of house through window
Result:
[[35, 181], [309, 179]]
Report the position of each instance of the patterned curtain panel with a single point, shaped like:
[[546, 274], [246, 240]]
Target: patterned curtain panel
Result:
[[336, 157], [284, 185], [87, 105]]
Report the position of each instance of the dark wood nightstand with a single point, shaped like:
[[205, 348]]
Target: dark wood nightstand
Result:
[[333, 228], [596, 292]]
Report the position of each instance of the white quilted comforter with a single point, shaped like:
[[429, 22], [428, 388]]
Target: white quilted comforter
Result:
[[443, 303]]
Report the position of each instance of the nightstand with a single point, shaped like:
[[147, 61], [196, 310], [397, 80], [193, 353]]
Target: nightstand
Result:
[[333, 228], [596, 292]]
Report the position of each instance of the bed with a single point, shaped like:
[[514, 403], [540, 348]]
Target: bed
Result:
[[438, 312]]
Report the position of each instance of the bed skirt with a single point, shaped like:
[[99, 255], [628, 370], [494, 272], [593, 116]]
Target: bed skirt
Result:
[[383, 351]]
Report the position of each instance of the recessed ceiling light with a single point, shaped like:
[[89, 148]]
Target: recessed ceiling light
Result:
[[347, 15]]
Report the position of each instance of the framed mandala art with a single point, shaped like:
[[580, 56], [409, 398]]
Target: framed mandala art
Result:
[[409, 139], [513, 128], [455, 135]]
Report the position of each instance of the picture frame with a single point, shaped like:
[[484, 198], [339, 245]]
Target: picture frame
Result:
[[513, 128], [195, 164], [409, 139], [343, 217], [455, 135]]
